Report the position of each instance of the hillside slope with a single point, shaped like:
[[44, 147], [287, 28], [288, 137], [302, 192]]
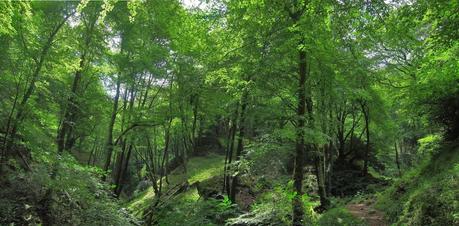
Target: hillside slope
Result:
[[427, 195], [198, 169]]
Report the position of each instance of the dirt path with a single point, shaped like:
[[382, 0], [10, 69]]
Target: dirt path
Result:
[[367, 213]]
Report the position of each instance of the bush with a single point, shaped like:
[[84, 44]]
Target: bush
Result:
[[187, 211], [429, 144]]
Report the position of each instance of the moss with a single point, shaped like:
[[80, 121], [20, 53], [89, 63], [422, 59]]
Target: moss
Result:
[[141, 202], [198, 169], [203, 168]]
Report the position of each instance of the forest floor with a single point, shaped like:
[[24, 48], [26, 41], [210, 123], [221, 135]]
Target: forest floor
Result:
[[367, 213]]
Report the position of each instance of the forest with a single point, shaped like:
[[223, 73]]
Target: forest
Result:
[[229, 112]]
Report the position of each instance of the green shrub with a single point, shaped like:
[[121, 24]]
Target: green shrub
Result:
[[274, 208], [429, 144], [185, 211]]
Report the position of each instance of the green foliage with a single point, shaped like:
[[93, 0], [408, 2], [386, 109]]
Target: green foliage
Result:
[[265, 160], [79, 197], [429, 144], [184, 211], [184, 75], [339, 216], [274, 207], [6, 18], [426, 195]]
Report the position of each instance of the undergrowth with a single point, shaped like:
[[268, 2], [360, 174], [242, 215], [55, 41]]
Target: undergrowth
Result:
[[428, 194], [79, 198]]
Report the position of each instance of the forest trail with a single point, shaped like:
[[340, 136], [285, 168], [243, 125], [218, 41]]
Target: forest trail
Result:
[[367, 213]]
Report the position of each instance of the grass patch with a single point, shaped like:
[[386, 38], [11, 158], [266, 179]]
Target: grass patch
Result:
[[339, 216], [141, 202], [198, 169]]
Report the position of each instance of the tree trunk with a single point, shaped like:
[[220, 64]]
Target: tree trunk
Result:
[[341, 117], [165, 154], [298, 174], [122, 172], [229, 152], [92, 153], [240, 143], [153, 163], [195, 119], [109, 142], [329, 174], [324, 202], [117, 167], [8, 125], [397, 160], [65, 140], [67, 123], [365, 111]]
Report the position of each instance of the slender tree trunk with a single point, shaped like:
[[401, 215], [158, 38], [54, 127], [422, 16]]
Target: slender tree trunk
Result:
[[67, 122], [228, 139], [96, 155], [8, 125], [330, 172], [185, 150], [195, 118], [147, 89], [157, 154], [185, 138], [341, 130], [122, 172], [329, 155], [229, 151], [365, 111], [153, 163], [93, 149], [35, 75], [240, 143], [21, 107], [165, 154], [298, 171], [230, 148], [127, 142], [351, 139], [109, 142], [397, 160], [65, 140], [324, 202], [117, 168]]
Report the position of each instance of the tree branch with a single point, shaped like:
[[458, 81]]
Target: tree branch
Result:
[[134, 125]]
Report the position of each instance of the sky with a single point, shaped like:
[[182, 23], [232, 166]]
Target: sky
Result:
[[194, 4]]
